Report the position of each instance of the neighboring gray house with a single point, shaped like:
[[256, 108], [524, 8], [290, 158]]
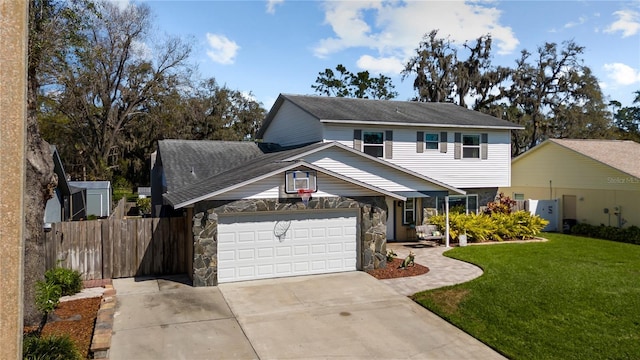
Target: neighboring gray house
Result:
[[98, 196], [370, 167], [68, 202]]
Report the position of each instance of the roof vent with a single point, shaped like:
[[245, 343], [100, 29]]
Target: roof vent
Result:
[[192, 171]]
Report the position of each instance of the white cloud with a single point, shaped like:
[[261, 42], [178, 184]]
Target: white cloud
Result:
[[271, 5], [628, 23], [622, 74], [222, 50], [383, 65], [581, 20], [120, 4], [394, 28]]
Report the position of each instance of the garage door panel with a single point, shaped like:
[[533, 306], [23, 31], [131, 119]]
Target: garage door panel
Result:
[[283, 251], [335, 248], [266, 252], [247, 237], [283, 268], [318, 233], [226, 255], [318, 248], [300, 234], [265, 236], [246, 254], [265, 269], [314, 243], [301, 250]]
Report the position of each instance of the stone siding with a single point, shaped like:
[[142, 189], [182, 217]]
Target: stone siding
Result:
[[371, 233]]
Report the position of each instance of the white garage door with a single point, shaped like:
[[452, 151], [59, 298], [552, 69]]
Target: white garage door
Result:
[[269, 245]]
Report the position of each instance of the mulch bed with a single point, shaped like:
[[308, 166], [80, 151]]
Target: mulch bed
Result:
[[392, 270], [75, 318]]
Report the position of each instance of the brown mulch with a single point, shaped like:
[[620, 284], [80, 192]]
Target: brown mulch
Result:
[[392, 271], [75, 318]]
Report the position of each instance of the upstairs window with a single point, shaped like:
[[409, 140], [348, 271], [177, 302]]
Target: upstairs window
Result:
[[471, 146], [431, 141], [373, 143]]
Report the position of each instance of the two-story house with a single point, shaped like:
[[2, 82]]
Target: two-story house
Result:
[[330, 181], [456, 146]]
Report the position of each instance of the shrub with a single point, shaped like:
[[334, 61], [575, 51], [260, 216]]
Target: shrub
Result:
[[496, 226], [144, 205], [70, 281], [49, 348], [502, 205], [629, 235], [47, 296]]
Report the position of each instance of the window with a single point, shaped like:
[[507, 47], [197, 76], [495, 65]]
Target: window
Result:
[[431, 141], [471, 146], [409, 212], [461, 203], [518, 196], [373, 143]]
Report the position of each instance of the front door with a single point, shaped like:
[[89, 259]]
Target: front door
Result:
[[569, 212]]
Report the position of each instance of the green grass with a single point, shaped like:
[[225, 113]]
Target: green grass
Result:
[[119, 193], [569, 298]]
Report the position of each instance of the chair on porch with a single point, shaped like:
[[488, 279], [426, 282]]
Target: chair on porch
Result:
[[429, 233]]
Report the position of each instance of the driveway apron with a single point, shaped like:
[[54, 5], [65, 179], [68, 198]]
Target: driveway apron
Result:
[[166, 318], [345, 315]]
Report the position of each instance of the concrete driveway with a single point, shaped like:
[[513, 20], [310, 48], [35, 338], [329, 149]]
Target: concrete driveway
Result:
[[345, 315]]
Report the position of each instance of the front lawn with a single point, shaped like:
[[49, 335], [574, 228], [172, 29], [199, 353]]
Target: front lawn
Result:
[[569, 298]]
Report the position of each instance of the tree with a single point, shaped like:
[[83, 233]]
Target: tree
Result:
[[102, 81], [51, 27], [627, 119], [205, 111], [442, 76], [555, 96], [348, 84], [433, 67]]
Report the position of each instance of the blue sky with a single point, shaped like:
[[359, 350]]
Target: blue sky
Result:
[[280, 46]]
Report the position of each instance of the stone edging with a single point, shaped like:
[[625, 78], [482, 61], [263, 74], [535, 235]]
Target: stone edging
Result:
[[536, 239], [101, 340]]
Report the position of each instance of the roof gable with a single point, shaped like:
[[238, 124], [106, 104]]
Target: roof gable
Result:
[[387, 112], [268, 164], [622, 155]]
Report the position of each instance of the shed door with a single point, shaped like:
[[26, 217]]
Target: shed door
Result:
[[269, 245]]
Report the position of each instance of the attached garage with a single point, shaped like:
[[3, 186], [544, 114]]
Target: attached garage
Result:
[[271, 244]]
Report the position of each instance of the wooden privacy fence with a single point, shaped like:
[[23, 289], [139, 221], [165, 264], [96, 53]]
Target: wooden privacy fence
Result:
[[115, 248]]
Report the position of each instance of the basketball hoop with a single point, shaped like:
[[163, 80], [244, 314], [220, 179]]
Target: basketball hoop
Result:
[[305, 195]]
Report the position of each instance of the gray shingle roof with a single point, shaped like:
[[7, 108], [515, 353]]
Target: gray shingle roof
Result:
[[623, 155], [350, 110], [188, 161], [241, 172]]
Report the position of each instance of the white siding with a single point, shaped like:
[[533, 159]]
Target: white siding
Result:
[[269, 188], [368, 171], [461, 173], [292, 126]]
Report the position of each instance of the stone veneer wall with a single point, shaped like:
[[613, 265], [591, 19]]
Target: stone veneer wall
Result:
[[371, 232]]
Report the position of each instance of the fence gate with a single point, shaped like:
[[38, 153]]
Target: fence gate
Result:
[[114, 248]]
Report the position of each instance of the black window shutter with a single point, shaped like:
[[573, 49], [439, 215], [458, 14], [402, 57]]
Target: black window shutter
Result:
[[484, 146], [457, 146], [443, 142], [420, 142], [388, 144], [357, 139]]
